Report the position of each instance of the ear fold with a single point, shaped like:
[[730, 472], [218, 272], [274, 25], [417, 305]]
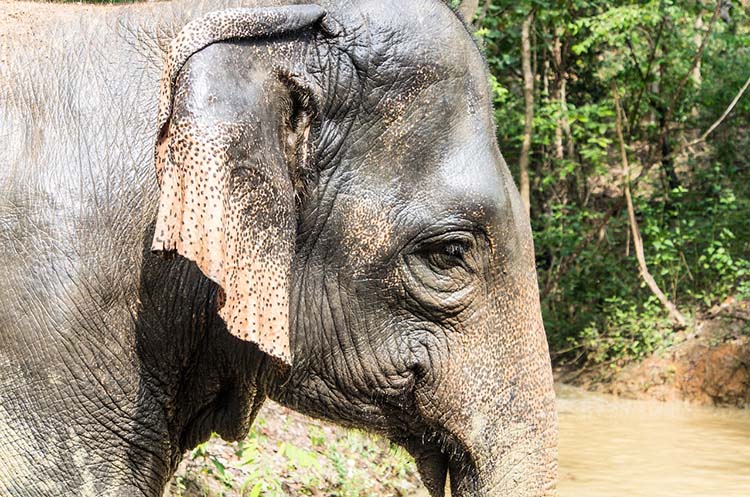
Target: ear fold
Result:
[[241, 23], [227, 201]]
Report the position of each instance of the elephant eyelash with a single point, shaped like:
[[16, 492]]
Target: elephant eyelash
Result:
[[450, 251], [455, 248], [448, 254]]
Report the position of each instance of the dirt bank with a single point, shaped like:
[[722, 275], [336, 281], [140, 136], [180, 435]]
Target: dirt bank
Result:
[[709, 364]]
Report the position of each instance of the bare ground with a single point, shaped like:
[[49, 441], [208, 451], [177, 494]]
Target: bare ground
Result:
[[709, 364]]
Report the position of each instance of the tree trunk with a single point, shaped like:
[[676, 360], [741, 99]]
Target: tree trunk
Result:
[[697, 76], [563, 124], [571, 146], [557, 97], [528, 97], [674, 313], [467, 9], [697, 38]]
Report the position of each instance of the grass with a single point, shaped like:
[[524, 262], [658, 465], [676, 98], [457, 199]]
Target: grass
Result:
[[286, 453]]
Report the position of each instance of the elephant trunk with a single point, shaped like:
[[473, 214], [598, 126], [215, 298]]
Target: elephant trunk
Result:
[[512, 435], [512, 456], [502, 446], [500, 437]]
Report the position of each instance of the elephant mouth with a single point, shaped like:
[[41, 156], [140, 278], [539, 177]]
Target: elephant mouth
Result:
[[438, 456]]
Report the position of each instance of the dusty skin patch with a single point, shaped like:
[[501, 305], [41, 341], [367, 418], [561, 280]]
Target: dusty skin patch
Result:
[[287, 453], [708, 365], [14, 446]]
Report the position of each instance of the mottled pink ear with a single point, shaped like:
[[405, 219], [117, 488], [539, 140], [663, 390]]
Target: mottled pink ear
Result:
[[227, 201]]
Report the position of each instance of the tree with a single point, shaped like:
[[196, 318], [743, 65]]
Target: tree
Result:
[[682, 200], [528, 97]]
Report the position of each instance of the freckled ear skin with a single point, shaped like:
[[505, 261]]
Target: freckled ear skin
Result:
[[226, 201]]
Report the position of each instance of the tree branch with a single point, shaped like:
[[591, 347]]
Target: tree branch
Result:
[[674, 313], [651, 57], [681, 86], [468, 8], [696, 60], [705, 134], [716, 124]]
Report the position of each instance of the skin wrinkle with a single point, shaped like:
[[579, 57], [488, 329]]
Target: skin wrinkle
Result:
[[354, 367], [331, 139]]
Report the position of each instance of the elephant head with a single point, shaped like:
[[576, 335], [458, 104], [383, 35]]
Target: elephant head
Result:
[[334, 169]]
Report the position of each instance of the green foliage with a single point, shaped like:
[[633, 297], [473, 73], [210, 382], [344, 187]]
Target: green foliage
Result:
[[625, 330], [692, 207], [336, 463]]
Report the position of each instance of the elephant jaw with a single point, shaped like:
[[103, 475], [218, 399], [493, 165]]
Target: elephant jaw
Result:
[[450, 468], [445, 466]]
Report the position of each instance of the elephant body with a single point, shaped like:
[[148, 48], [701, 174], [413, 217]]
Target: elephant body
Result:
[[412, 304], [79, 318]]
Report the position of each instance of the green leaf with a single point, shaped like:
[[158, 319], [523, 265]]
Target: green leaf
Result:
[[255, 492]]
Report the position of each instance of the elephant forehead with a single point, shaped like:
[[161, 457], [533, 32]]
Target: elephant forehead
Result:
[[401, 47], [427, 25], [413, 132], [441, 154], [379, 215]]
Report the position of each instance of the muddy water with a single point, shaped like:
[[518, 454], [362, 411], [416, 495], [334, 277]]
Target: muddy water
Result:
[[619, 448]]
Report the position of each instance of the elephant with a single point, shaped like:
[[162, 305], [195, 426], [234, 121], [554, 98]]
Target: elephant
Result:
[[204, 205]]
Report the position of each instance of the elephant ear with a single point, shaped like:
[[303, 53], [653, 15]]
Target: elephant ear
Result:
[[227, 201]]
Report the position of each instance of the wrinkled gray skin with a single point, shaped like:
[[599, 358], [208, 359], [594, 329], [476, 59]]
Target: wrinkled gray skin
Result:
[[414, 309]]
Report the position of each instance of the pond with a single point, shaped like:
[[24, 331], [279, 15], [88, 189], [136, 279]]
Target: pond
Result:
[[611, 447]]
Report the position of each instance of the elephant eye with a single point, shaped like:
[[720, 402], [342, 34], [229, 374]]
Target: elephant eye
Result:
[[448, 255], [441, 273], [445, 256]]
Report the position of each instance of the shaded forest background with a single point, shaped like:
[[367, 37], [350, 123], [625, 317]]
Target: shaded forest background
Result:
[[675, 177]]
